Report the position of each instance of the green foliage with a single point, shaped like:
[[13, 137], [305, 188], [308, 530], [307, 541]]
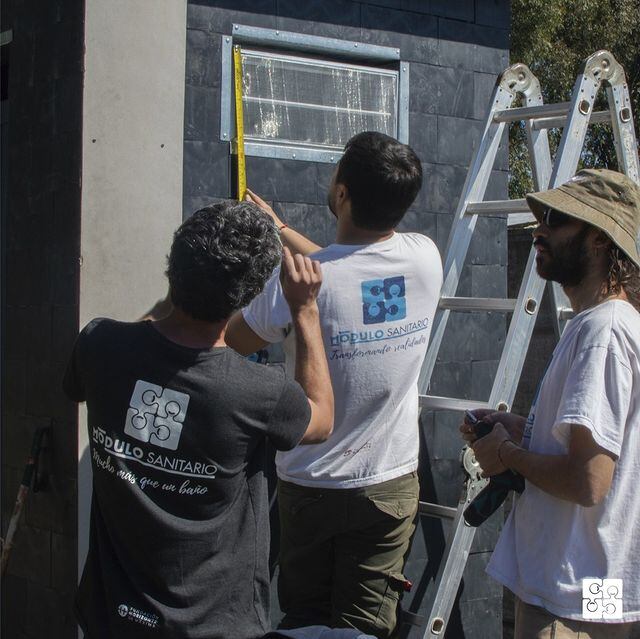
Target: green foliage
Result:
[[553, 37]]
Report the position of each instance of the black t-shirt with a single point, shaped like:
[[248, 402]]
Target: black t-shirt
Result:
[[179, 517]]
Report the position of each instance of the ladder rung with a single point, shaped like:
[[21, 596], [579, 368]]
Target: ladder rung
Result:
[[521, 218], [436, 510], [489, 207], [532, 113], [557, 122], [477, 304], [434, 402]]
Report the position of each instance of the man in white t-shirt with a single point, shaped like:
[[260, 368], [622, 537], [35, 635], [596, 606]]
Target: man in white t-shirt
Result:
[[569, 550], [347, 507]]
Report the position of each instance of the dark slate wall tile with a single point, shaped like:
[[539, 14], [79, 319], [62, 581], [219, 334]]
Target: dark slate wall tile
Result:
[[473, 336], [444, 185], [483, 85], [282, 180], [458, 10], [219, 15], [423, 136], [450, 378], [482, 375], [413, 33], [337, 19], [324, 173], [391, 4], [497, 187], [482, 617], [203, 58], [457, 139], [312, 219], [206, 169], [201, 113], [488, 280], [447, 443], [418, 221], [495, 13], [441, 90], [489, 242], [385, 19], [472, 47]]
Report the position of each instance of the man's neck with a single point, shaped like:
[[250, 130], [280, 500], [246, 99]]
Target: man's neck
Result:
[[184, 330], [591, 292], [348, 233]]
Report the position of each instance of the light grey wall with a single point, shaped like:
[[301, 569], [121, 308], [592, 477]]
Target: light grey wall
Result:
[[133, 119]]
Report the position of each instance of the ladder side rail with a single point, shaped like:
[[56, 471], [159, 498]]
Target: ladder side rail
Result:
[[463, 226], [516, 344], [567, 158], [623, 131], [461, 537]]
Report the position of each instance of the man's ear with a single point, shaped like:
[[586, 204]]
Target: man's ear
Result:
[[342, 193], [601, 240]]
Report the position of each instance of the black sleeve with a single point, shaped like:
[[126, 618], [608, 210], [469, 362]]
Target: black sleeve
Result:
[[290, 417], [73, 381]]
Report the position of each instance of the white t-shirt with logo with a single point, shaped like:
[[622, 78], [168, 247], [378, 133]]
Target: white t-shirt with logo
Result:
[[549, 545], [377, 304]]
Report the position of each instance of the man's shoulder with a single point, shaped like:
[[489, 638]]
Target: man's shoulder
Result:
[[105, 328], [612, 324]]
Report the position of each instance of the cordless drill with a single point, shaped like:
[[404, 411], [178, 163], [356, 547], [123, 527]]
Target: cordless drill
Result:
[[488, 500]]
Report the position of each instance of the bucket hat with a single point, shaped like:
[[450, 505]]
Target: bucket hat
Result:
[[606, 199]]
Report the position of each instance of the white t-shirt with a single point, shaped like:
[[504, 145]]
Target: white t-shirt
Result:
[[548, 545], [376, 304]]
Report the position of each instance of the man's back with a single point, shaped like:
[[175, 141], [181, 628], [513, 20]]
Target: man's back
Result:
[[179, 531], [376, 307]]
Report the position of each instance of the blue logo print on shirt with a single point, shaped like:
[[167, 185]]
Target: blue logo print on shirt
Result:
[[383, 300]]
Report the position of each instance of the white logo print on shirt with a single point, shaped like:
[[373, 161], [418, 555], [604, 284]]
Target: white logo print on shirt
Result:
[[156, 415]]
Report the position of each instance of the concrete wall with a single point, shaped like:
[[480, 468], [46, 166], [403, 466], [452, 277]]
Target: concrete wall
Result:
[[131, 166], [455, 51], [41, 241]]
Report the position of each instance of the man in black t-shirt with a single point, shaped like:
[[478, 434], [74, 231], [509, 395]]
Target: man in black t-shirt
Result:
[[177, 427]]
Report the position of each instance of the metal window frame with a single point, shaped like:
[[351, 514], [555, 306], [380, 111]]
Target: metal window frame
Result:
[[296, 42]]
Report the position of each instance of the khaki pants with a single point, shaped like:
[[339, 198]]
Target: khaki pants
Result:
[[342, 553], [533, 622]]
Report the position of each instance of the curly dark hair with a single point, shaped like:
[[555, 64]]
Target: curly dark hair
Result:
[[383, 178], [221, 258], [623, 274]]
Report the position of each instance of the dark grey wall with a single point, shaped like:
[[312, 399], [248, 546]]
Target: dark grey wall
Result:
[[456, 49], [42, 239]]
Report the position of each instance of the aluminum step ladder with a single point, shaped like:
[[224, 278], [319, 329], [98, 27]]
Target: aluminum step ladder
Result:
[[574, 117]]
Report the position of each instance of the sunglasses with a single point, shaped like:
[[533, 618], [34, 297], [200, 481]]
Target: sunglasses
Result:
[[553, 218]]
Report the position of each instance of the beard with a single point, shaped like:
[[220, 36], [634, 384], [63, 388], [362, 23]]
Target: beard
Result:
[[567, 263]]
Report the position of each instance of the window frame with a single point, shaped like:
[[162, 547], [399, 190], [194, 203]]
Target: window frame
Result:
[[290, 43]]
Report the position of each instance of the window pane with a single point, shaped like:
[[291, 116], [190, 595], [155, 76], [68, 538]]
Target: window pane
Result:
[[314, 104]]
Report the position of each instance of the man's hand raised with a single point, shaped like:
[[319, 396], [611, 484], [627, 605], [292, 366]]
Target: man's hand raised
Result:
[[301, 280]]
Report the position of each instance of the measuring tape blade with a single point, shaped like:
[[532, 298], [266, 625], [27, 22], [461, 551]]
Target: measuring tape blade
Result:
[[239, 141]]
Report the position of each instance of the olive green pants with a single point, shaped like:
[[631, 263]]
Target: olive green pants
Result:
[[533, 622], [342, 552]]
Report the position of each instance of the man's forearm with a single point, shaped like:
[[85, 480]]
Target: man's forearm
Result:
[[555, 474], [312, 370], [297, 242]]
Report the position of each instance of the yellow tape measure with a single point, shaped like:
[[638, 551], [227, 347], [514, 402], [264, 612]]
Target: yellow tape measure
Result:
[[239, 141]]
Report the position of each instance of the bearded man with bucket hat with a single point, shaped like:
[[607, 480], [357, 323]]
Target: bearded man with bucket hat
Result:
[[569, 550]]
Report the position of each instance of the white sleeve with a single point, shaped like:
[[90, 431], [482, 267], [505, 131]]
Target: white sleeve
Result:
[[597, 395], [268, 314]]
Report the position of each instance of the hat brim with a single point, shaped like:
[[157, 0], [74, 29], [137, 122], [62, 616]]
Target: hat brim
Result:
[[564, 202]]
